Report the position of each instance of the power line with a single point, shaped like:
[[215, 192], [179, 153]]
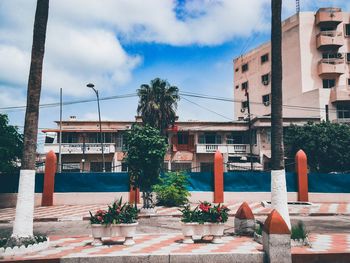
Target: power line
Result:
[[208, 109]]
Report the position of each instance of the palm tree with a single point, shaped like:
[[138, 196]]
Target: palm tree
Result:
[[278, 176], [23, 225], [158, 103]]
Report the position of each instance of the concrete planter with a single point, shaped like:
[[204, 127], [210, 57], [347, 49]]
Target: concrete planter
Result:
[[128, 231], [192, 231]]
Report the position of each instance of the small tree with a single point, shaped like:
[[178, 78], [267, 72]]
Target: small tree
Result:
[[327, 145], [145, 156], [11, 146]]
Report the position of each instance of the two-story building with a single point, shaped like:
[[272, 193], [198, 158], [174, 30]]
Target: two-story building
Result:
[[192, 144]]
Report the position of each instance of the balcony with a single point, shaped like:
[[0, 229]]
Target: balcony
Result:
[[331, 66], [77, 148], [329, 17], [329, 40], [340, 93], [223, 148]]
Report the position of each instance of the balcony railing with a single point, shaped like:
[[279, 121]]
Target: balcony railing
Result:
[[331, 66], [330, 17], [329, 39], [80, 148], [340, 93], [223, 148]]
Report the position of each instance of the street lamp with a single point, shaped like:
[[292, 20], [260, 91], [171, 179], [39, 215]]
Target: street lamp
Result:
[[91, 86]]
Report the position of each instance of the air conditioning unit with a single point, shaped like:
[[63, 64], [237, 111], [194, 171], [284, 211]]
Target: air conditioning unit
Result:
[[265, 82], [266, 103]]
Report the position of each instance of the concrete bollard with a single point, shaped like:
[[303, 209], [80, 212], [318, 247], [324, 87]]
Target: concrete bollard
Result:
[[49, 179], [134, 195], [301, 171], [218, 178], [276, 239], [244, 221]]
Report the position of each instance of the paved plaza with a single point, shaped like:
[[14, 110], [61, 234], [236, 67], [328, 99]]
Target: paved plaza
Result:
[[81, 212]]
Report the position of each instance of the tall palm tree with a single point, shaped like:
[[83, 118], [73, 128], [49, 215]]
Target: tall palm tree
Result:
[[23, 225], [278, 176], [158, 103]]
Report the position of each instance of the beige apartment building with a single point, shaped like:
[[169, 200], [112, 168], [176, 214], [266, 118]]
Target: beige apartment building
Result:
[[192, 144], [316, 69]]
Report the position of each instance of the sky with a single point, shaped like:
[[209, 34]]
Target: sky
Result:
[[120, 44]]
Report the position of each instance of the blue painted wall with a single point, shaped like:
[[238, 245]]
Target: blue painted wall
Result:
[[199, 181]]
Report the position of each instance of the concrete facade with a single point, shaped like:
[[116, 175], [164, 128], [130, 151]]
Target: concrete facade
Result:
[[315, 54], [192, 144]]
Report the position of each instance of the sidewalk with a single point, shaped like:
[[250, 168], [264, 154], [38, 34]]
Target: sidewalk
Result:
[[168, 248], [81, 212]]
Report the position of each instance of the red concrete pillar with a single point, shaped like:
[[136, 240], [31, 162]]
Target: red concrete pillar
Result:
[[218, 178], [49, 179], [301, 170], [134, 194]]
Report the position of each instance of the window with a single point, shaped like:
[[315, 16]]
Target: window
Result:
[[244, 104], [209, 138], [69, 137], [332, 55], [180, 167], [237, 87], [348, 82], [328, 83], [347, 57], [236, 69], [327, 29], [264, 58], [121, 142], [182, 138], [268, 136], [245, 67], [97, 166], [347, 29], [265, 79], [245, 85], [71, 167], [207, 167], [343, 111], [124, 167], [266, 99]]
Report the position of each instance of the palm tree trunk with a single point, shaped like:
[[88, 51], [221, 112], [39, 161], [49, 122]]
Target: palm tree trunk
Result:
[[278, 177], [23, 225]]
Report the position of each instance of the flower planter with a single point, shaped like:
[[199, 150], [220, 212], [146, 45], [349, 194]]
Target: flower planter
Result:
[[127, 231], [192, 231]]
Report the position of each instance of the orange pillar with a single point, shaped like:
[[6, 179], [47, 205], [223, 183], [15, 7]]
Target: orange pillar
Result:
[[218, 178], [49, 179], [134, 194], [301, 170]]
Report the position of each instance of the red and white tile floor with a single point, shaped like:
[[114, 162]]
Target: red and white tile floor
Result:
[[80, 212], [166, 244]]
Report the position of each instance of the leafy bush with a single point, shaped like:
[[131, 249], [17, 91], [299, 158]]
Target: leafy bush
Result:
[[118, 213], [205, 213], [172, 191], [299, 231]]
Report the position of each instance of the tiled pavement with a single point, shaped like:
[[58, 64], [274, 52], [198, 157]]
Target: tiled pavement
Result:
[[80, 212], [160, 244]]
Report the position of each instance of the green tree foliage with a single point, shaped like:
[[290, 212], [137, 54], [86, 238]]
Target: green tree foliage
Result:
[[158, 103], [11, 146], [327, 145], [172, 189], [145, 156]]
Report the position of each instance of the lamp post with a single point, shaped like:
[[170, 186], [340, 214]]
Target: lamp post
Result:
[[91, 86]]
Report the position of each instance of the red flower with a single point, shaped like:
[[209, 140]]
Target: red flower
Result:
[[218, 209], [99, 218], [219, 219], [204, 207]]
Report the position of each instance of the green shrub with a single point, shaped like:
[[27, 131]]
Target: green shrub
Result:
[[299, 231], [172, 191]]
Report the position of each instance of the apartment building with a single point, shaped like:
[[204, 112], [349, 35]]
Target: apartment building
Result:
[[192, 144], [316, 69]]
